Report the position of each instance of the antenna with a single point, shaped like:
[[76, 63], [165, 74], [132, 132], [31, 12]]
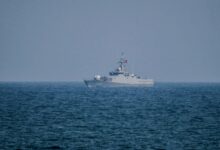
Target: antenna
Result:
[[122, 54]]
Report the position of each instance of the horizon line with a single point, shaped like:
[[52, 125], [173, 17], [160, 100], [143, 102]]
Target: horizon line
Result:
[[83, 81]]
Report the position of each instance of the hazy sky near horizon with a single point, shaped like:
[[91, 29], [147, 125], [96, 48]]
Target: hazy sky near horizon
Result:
[[54, 40]]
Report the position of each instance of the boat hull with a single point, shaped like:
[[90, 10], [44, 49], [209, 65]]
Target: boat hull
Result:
[[98, 83]]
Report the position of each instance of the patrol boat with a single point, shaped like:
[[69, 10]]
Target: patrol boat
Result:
[[119, 77]]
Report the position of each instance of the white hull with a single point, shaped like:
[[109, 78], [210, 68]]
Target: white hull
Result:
[[97, 83]]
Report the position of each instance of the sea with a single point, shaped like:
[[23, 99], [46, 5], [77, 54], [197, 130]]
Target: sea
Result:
[[68, 115]]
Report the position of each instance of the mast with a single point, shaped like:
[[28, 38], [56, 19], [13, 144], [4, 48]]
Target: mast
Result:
[[122, 62], [122, 68]]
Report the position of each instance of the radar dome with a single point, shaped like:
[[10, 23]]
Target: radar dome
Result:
[[97, 77]]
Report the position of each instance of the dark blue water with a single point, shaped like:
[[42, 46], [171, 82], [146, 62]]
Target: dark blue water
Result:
[[71, 116]]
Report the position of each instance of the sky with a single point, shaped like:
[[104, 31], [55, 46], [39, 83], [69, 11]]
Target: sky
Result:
[[72, 40]]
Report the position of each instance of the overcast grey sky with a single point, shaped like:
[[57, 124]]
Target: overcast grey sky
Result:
[[63, 40]]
